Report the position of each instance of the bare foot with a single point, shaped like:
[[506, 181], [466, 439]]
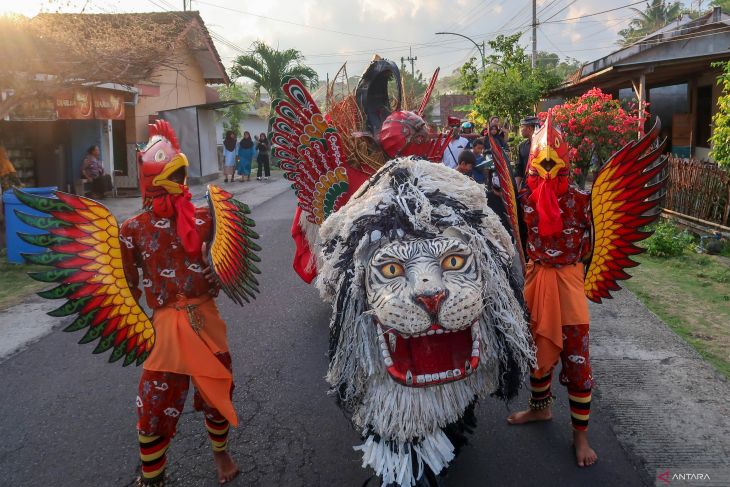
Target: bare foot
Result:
[[529, 416], [584, 454], [226, 467]]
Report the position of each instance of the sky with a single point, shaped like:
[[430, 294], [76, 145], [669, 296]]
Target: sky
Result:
[[331, 32]]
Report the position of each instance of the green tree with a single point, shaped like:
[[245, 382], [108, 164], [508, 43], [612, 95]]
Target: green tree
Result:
[[551, 62], [234, 114], [469, 77], [268, 67], [510, 88], [720, 138], [656, 15]]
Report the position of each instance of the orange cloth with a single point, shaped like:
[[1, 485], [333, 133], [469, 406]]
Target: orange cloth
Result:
[[555, 297], [179, 349]]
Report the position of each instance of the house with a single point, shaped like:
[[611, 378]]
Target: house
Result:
[[671, 69], [51, 134], [452, 106]]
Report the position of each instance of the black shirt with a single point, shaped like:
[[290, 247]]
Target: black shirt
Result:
[[522, 158]]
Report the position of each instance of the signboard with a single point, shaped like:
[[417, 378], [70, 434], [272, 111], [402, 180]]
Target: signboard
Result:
[[71, 104], [108, 105], [75, 104]]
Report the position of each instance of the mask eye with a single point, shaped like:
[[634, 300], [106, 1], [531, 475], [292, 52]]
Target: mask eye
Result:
[[453, 262], [391, 270], [160, 155]]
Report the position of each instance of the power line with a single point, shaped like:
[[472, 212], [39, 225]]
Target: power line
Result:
[[547, 21], [324, 29]]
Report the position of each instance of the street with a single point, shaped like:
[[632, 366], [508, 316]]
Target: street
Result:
[[69, 417]]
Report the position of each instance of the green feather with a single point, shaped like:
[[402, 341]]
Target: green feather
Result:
[[131, 356], [62, 291], [44, 240], [82, 321], [42, 203], [105, 343], [93, 333], [46, 258], [52, 275], [70, 307], [117, 353], [41, 222], [142, 357]]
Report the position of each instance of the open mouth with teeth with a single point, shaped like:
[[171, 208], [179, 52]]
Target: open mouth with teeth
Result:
[[434, 357]]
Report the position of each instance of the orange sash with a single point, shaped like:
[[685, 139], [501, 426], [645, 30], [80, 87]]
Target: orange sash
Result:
[[555, 298], [189, 332]]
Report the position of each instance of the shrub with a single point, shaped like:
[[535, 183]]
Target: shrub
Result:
[[668, 241]]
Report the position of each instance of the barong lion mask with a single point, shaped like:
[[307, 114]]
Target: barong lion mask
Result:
[[427, 310], [427, 313]]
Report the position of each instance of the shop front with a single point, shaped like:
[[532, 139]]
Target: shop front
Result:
[[47, 139]]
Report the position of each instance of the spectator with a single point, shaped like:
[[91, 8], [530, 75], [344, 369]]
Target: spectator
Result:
[[262, 159], [92, 169], [229, 156], [498, 136], [466, 162], [456, 145], [480, 165], [246, 151], [527, 129], [8, 175]]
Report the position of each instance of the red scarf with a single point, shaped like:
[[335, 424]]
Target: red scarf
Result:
[[544, 198], [182, 209]]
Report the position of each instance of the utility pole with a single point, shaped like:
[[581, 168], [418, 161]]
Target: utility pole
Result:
[[412, 61], [186, 5], [534, 34]]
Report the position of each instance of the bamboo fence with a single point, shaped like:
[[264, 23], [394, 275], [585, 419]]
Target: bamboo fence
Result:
[[698, 189]]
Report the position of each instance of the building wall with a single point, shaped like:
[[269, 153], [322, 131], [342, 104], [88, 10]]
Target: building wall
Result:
[[181, 87]]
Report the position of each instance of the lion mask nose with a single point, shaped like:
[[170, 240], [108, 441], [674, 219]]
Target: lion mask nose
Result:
[[431, 301]]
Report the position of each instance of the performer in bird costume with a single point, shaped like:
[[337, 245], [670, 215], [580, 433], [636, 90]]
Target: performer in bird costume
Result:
[[569, 231], [427, 314], [185, 255]]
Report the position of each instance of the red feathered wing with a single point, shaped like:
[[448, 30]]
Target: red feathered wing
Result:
[[232, 252], [509, 196], [84, 247], [311, 152], [625, 197]]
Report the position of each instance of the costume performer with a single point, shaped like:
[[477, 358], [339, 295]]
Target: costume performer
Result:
[[568, 229], [186, 255], [427, 312]]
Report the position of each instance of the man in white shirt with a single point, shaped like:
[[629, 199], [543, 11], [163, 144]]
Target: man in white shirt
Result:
[[456, 145]]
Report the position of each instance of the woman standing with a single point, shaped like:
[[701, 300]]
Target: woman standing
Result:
[[229, 155], [246, 152], [262, 159]]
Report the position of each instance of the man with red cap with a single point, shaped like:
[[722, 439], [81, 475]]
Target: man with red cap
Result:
[[558, 220]]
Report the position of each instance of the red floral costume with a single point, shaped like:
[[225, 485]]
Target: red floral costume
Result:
[[558, 221]]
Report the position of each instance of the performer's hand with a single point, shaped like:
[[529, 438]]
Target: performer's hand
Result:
[[208, 271]]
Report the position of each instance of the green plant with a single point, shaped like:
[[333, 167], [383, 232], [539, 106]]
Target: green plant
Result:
[[668, 241], [720, 151]]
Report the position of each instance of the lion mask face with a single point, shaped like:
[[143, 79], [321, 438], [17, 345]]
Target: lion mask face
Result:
[[426, 295]]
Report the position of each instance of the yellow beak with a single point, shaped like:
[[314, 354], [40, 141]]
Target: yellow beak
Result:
[[178, 161]]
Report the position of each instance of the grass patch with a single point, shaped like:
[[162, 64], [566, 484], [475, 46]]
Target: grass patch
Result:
[[15, 285], [690, 293]]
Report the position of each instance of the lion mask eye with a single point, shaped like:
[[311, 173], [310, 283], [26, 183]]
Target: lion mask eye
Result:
[[391, 270], [453, 262]]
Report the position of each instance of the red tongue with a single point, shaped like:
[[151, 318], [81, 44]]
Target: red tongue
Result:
[[433, 353]]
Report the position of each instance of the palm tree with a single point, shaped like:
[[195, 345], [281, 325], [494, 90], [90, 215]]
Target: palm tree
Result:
[[267, 67], [656, 15]]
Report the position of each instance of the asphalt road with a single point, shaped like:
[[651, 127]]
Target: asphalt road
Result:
[[68, 417]]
